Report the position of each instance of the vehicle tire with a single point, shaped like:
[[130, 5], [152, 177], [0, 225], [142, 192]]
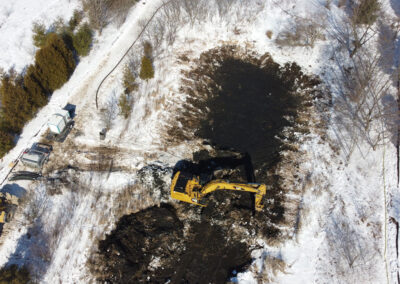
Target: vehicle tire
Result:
[[10, 213]]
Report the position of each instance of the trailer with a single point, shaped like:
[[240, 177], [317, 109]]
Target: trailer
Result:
[[36, 156]]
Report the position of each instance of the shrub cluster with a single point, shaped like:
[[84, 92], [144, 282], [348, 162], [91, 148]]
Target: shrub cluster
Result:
[[77, 41], [125, 100], [82, 40], [39, 34]]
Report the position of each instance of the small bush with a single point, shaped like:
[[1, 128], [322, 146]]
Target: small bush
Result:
[[129, 81], [14, 275], [109, 112], [82, 40], [366, 12], [97, 12], [269, 34], [101, 12], [125, 105], [39, 34], [305, 34], [146, 69], [148, 49], [75, 20], [59, 26]]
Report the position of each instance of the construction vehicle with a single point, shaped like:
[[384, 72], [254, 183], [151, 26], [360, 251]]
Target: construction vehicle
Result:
[[60, 123], [36, 156], [8, 205], [188, 188]]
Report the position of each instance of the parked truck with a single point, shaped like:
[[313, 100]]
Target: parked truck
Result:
[[60, 125], [36, 156]]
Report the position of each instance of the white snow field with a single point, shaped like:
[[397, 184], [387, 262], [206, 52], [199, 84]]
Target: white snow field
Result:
[[349, 192], [16, 20]]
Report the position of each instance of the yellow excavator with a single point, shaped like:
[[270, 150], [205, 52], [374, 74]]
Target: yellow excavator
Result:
[[187, 187]]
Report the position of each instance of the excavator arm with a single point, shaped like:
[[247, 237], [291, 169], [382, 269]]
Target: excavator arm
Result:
[[187, 188]]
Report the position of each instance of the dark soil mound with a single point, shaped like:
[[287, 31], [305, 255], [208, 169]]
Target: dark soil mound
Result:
[[129, 249], [203, 256], [209, 257]]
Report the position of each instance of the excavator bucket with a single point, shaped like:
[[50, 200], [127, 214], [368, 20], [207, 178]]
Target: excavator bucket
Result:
[[259, 204]]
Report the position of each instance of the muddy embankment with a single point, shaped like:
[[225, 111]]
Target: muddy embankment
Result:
[[248, 110]]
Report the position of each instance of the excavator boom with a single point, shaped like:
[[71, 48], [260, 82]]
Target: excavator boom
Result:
[[186, 187]]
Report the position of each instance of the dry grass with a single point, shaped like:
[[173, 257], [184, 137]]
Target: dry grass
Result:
[[305, 33], [271, 266]]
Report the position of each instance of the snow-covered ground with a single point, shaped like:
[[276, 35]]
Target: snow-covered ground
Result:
[[16, 22], [343, 203]]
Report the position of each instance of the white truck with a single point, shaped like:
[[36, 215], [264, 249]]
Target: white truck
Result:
[[60, 125], [59, 122]]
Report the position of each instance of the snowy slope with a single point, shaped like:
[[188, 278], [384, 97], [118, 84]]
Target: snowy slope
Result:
[[341, 192], [16, 21]]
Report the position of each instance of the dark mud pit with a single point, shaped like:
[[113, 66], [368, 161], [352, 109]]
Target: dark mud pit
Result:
[[246, 107]]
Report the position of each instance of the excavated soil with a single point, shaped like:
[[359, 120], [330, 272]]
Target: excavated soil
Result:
[[245, 108], [133, 252]]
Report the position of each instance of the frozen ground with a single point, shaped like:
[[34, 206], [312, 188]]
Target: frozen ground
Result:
[[342, 209]]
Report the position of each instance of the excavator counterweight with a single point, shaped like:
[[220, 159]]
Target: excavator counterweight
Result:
[[187, 187]]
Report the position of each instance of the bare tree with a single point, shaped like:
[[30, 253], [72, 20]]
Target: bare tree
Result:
[[362, 78], [110, 111], [362, 88], [172, 19], [365, 14], [302, 33], [351, 249], [223, 7], [98, 12]]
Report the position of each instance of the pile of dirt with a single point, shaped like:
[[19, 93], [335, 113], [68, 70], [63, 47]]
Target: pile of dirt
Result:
[[127, 252], [151, 246]]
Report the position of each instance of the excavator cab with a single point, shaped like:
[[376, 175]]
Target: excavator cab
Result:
[[187, 187]]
